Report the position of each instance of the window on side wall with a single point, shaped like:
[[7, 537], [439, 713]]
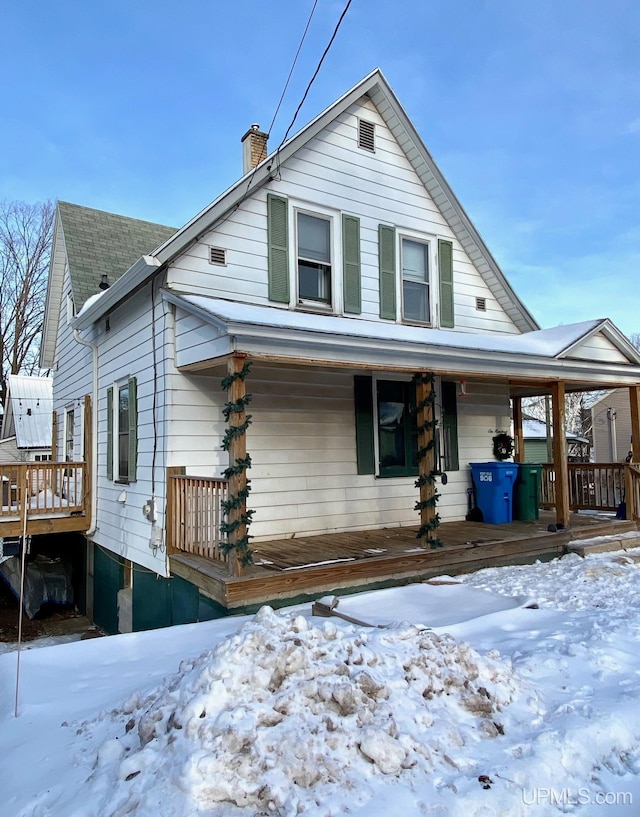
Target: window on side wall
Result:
[[396, 428], [313, 237], [122, 431], [416, 297], [69, 428]]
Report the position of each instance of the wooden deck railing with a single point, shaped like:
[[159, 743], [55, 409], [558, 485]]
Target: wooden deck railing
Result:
[[632, 492], [194, 514], [592, 486], [49, 489]]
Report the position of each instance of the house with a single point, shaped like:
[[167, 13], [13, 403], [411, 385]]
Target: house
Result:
[[537, 448], [611, 424], [25, 434], [312, 361]]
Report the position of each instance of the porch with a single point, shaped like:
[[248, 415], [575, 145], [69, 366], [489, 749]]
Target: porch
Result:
[[315, 565], [44, 497], [301, 566]]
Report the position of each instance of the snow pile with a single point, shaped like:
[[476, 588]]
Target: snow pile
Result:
[[285, 716], [572, 583]]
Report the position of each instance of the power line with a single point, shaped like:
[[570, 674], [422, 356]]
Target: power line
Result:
[[315, 73], [293, 65]]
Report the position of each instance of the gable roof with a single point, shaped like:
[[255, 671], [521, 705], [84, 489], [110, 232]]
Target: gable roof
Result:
[[29, 411], [94, 244], [377, 89]]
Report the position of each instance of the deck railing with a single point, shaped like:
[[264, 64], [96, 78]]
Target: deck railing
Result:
[[42, 489], [632, 492], [592, 486], [194, 514]]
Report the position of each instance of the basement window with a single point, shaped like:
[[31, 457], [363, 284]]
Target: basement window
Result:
[[218, 256], [366, 135]]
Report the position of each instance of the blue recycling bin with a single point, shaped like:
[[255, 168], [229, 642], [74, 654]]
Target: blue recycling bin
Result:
[[494, 489]]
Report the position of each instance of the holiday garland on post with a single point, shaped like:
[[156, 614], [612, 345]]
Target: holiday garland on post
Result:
[[238, 518], [425, 411]]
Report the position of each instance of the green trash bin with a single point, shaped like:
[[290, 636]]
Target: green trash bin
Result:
[[526, 492]]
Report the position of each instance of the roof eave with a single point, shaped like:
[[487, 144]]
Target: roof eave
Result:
[[53, 300], [133, 278]]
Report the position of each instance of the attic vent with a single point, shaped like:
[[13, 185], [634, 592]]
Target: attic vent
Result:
[[218, 255], [366, 135], [481, 304]]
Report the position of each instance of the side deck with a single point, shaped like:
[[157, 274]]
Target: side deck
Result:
[[44, 497], [316, 565]]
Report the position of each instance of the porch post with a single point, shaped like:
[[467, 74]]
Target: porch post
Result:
[[54, 437], [517, 429], [426, 458], [237, 451], [634, 402], [560, 453]]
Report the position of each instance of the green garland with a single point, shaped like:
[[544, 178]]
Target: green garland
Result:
[[241, 465], [427, 530]]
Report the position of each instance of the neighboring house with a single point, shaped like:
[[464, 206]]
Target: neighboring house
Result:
[[339, 267], [25, 435], [611, 423], [537, 450]]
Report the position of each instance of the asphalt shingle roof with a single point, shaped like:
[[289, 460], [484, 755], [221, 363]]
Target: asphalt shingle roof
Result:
[[99, 243]]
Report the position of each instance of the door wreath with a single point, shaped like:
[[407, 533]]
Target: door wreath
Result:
[[502, 446]]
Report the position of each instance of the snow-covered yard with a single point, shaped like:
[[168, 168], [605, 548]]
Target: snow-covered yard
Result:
[[469, 700]]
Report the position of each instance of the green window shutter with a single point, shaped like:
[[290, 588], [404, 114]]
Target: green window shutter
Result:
[[133, 428], [351, 264], [387, 265], [109, 433], [449, 418], [363, 401], [445, 272], [278, 240]]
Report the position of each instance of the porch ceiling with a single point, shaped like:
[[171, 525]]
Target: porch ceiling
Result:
[[529, 361]]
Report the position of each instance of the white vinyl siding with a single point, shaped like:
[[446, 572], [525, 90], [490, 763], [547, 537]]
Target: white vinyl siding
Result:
[[331, 174]]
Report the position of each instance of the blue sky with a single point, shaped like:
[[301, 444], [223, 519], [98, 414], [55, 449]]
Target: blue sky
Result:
[[531, 110]]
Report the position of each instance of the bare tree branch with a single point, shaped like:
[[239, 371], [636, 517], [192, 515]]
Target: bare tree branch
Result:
[[26, 232]]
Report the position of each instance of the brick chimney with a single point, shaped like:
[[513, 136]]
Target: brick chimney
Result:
[[254, 148]]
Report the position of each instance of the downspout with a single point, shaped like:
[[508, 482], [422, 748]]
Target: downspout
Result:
[[613, 448], [94, 432]]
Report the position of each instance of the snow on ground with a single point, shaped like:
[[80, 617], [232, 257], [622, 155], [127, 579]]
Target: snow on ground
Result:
[[464, 701]]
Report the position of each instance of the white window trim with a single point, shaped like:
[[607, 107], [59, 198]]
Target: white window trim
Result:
[[434, 282], [118, 479], [335, 222]]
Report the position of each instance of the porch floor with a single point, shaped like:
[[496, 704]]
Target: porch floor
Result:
[[334, 562]]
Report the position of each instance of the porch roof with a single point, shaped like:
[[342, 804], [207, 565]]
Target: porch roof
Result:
[[560, 353]]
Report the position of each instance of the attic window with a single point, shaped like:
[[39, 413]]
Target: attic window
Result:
[[481, 304], [366, 135], [218, 256]]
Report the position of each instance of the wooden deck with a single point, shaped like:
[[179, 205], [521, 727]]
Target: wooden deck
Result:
[[308, 566]]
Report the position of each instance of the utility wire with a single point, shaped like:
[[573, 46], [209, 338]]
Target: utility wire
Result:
[[293, 65], [315, 73]]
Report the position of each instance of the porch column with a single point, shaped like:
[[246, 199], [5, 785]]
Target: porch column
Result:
[[634, 402], [237, 486], [517, 429], [560, 453], [426, 458]]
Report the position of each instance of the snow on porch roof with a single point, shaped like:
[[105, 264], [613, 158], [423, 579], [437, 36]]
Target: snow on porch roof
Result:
[[245, 321], [546, 342]]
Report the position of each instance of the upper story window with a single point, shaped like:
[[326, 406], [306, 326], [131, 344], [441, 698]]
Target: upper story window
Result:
[[314, 258], [416, 301]]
